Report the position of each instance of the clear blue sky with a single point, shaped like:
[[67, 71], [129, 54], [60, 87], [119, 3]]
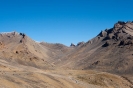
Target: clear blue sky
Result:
[[62, 21]]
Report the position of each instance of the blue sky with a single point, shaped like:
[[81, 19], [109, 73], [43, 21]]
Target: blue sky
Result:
[[62, 21]]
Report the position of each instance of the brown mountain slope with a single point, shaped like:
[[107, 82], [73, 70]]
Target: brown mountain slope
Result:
[[18, 73], [58, 50], [18, 48], [111, 51]]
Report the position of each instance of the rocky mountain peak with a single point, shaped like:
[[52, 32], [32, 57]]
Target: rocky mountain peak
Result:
[[72, 45], [120, 34], [80, 43], [121, 26], [119, 30]]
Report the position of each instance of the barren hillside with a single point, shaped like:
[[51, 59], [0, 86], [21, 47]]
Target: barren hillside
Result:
[[111, 51], [103, 62]]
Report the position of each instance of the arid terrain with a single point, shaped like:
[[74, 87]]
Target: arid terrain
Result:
[[19, 76], [106, 61]]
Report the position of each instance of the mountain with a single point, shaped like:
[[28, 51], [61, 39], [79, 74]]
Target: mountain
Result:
[[20, 49], [111, 51], [102, 62]]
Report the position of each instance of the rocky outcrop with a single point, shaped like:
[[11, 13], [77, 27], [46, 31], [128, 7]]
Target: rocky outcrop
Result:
[[2, 45], [118, 25], [72, 45], [23, 35], [103, 34], [121, 22], [125, 42], [80, 43], [120, 32]]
